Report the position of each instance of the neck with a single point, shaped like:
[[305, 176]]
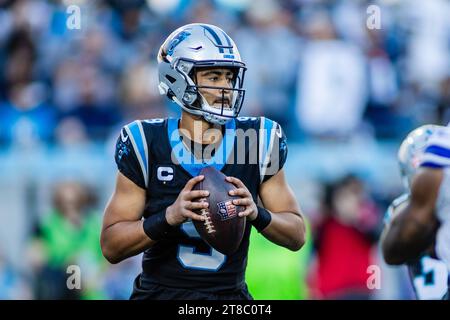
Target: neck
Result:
[[197, 129]]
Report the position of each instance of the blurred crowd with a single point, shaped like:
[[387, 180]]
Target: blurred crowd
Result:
[[313, 66]]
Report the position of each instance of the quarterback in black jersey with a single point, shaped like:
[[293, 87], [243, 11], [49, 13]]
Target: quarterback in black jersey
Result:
[[159, 161]]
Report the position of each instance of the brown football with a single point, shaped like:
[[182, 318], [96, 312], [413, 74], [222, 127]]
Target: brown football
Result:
[[223, 229]]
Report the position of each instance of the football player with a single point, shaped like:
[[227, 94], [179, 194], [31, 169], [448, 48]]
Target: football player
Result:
[[417, 219], [159, 161]]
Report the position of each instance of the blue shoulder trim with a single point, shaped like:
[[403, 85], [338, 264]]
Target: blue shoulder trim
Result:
[[267, 132], [139, 142]]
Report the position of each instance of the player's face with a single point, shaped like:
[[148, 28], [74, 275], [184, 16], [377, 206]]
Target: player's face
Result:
[[216, 77]]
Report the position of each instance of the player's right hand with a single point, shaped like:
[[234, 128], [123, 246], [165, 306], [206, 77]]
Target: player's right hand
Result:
[[183, 208]]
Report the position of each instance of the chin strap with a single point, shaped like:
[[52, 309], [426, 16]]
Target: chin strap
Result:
[[212, 118]]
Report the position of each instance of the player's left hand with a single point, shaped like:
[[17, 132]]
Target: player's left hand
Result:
[[251, 210]]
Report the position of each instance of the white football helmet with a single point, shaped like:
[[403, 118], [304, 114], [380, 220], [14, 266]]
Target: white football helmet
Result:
[[200, 46], [411, 150]]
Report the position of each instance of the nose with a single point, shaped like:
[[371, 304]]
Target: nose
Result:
[[226, 84], [225, 93]]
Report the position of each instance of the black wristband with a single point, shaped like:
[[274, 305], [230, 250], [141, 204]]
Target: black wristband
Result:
[[156, 226], [262, 219]]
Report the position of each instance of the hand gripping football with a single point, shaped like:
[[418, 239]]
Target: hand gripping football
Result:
[[222, 229]]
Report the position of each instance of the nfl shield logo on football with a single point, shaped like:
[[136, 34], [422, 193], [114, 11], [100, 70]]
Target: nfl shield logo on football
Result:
[[227, 210]]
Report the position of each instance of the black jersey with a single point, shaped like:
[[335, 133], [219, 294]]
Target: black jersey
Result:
[[152, 155]]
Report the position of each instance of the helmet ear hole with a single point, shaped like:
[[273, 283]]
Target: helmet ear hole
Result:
[[171, 79]]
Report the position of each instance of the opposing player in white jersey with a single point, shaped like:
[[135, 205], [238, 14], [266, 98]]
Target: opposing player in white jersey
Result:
[[417, 228]]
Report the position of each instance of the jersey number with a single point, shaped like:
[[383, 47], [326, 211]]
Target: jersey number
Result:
[[191, 259], [436, 272]]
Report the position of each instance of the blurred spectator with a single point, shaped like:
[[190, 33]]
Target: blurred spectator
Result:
[[68, 235], [385, 114], [141, 99], [20, 51], [443, 103], [427, 54], [95, 110], [332, 82], [270, 48], [344, 239], [25, 117]]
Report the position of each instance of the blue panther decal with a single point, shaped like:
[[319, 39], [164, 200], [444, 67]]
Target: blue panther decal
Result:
[[176, 41]]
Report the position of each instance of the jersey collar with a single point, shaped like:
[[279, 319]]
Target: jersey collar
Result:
[[185, 157]]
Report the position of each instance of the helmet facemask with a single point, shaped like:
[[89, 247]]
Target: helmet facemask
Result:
[[230, 98]]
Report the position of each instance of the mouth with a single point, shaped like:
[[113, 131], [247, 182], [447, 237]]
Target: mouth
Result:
[[220, 102]]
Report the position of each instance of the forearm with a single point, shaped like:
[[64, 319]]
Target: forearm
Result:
[[124, 239], [405, 239], [412, 230], [286, 229]]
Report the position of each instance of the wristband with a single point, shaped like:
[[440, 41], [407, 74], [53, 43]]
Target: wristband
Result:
[[262, 219], [156, 226]]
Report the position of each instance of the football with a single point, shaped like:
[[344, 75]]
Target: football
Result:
[[223, 229]]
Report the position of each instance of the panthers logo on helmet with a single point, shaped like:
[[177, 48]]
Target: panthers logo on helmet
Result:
[[176, 41]]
